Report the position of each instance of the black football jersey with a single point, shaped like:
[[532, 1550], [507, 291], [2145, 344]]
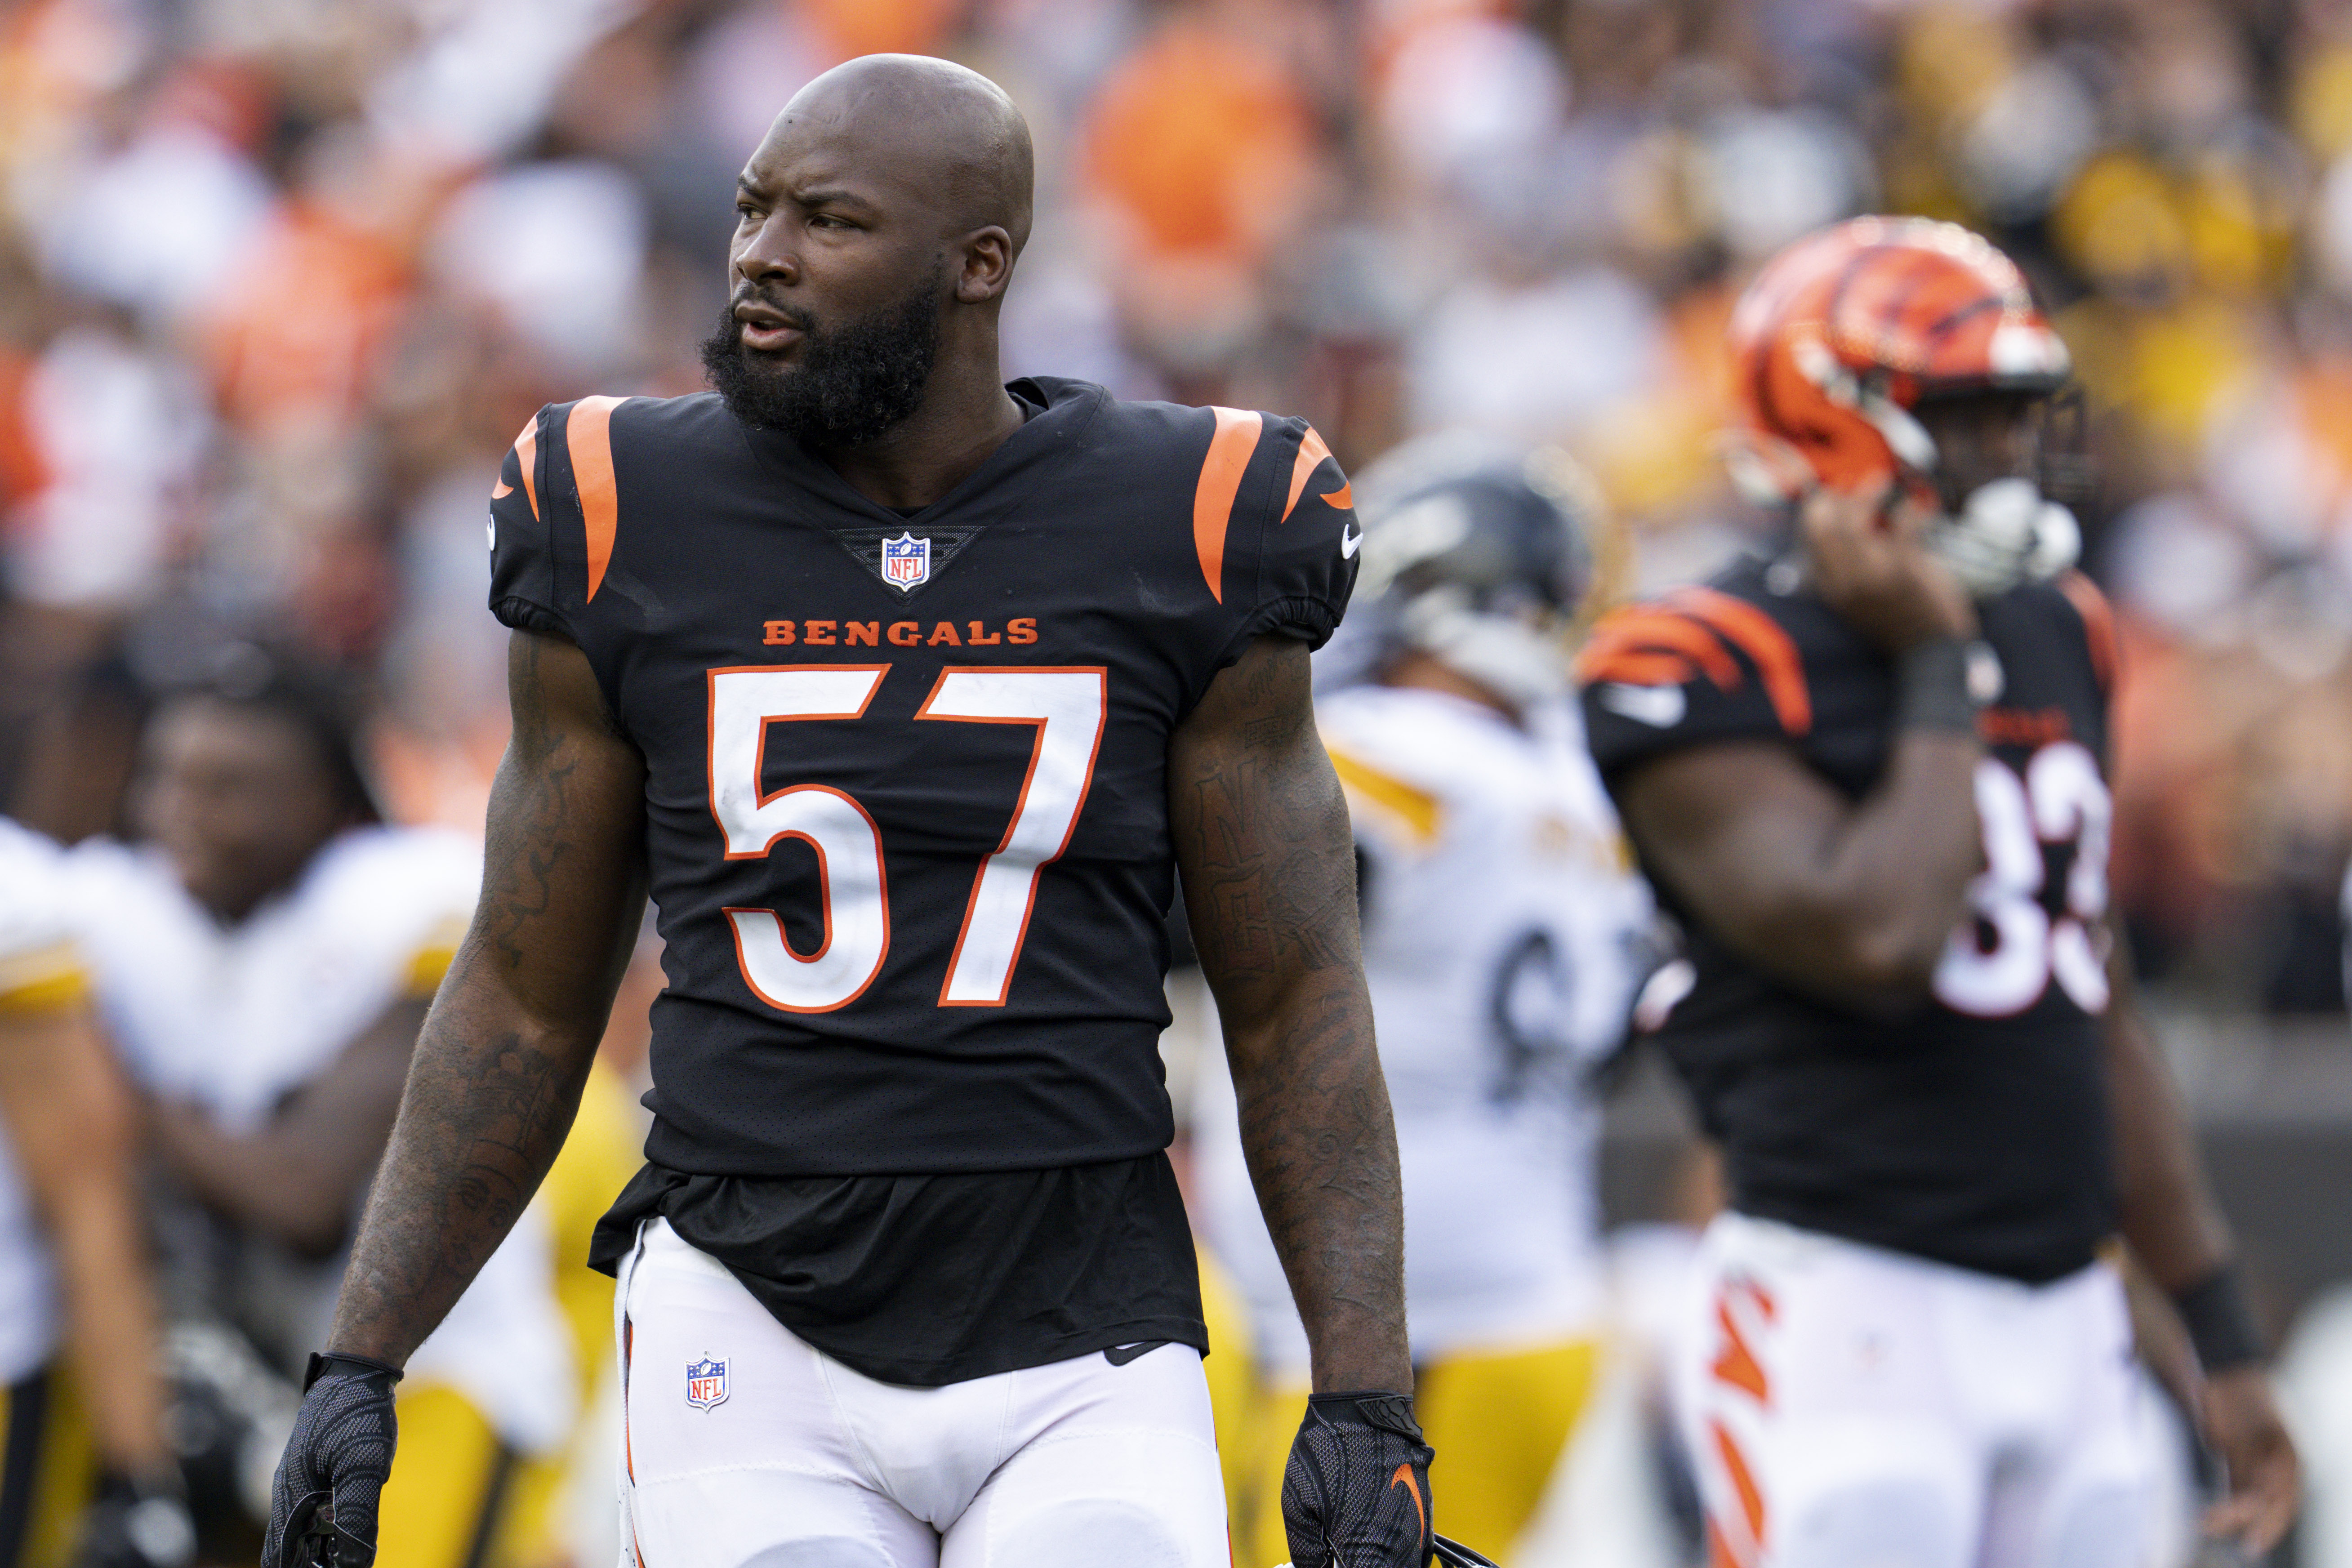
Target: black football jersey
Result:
[[907, 794], [1973, 1130]]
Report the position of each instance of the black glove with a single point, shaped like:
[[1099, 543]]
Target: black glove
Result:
[[323, 1504], [137, 1522], [1356, 1492]]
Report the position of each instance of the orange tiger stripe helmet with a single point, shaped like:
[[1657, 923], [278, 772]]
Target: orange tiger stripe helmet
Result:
[[1840, 336]]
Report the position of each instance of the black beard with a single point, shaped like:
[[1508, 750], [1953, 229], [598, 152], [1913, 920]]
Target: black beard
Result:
[[852, 384]]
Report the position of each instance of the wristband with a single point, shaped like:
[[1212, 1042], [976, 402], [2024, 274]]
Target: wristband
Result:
[[321, 1359], [1375, 1408], [2221, 1323], [1931, 687]]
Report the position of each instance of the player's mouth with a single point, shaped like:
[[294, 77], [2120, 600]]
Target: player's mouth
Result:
[[766, 330]]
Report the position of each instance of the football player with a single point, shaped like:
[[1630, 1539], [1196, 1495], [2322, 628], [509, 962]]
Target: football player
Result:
[[1505, 930], [1867, 768], [262, 959], [906, 692], [73, 1266]]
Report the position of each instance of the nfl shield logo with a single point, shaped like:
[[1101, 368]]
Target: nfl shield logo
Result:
[[906, 560], [705, 1382]]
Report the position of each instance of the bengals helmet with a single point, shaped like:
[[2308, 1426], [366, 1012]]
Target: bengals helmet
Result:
[[1844, 333]]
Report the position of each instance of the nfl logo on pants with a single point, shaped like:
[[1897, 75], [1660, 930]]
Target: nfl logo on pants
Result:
[[906, 560], [705, 1382]]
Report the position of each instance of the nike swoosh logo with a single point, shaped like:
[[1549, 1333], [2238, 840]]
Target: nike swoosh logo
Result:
[[1404, 1478], [1660, 707], [1349, 542]]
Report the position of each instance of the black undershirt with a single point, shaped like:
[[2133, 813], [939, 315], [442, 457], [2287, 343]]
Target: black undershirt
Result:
[[934, 1279]]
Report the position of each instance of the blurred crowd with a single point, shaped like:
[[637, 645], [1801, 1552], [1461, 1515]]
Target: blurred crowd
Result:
[[280, 279]]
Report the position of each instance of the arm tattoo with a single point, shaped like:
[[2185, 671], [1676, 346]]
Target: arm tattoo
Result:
[[498, 1068], [1269, 870]]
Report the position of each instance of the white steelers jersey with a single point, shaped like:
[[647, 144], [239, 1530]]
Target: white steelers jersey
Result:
[[38, 967], [1505, 936], [234, 1019]]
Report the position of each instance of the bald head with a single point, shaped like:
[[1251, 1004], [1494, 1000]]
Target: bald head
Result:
[[875, 229], [944, 133]]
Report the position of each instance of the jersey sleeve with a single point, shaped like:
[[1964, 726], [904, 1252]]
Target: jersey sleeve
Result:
[[402, 896], [2101, 643], [40, 966], [1695, 667], [522, 556], [1306, 538]]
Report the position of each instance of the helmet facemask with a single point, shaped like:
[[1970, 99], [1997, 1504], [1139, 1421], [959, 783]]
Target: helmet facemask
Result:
[[1994, 526]]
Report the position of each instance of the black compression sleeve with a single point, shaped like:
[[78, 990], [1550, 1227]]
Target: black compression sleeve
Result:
[[2220, 1322], [1932, 688]]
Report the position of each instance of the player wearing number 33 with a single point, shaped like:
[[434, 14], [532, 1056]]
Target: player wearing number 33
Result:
[[1866, 768], [907, 694]]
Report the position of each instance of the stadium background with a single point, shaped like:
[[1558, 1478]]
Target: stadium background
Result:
[[280, 279]]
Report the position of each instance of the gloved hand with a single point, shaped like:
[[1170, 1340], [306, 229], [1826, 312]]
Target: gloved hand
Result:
[[137, 1522], [323, 1504], [1356, 1493]]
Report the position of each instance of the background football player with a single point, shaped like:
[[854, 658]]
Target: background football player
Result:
[[263, 957], [1867, 768], [1504, 935], [77, 1348]]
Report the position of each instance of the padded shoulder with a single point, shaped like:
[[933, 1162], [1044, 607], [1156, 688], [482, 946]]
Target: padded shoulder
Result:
[[2098, 618], [403, 895], [522, 557], [38, 960], [556, 511], [1273, 519], [1698, 665]]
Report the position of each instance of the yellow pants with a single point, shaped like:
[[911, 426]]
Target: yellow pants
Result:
[[1235, 1393], [47, 1469], [447, 1506], [458, 1498], [1500, 1421]]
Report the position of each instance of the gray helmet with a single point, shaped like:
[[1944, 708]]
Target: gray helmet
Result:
[[1478, 553]]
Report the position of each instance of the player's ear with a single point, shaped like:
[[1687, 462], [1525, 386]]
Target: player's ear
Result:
[[987, 265]]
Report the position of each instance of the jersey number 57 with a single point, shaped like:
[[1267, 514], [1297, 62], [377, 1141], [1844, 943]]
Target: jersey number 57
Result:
[[1066, 705]]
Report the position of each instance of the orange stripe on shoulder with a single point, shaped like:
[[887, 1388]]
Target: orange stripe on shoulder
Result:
[[1236, 439], [1643, 634], [527, 453], [1766, 642], [2098, 625], [589, 434], [1312, 455]]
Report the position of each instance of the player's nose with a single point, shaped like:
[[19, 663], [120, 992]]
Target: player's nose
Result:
[[767, 256]]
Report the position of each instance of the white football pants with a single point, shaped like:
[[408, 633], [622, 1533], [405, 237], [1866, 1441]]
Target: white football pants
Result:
[[744, 1446], [1846, 1405]]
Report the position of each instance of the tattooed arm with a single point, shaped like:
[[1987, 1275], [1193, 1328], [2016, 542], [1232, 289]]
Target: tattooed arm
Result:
[[504, 1052], [1269, 869]]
